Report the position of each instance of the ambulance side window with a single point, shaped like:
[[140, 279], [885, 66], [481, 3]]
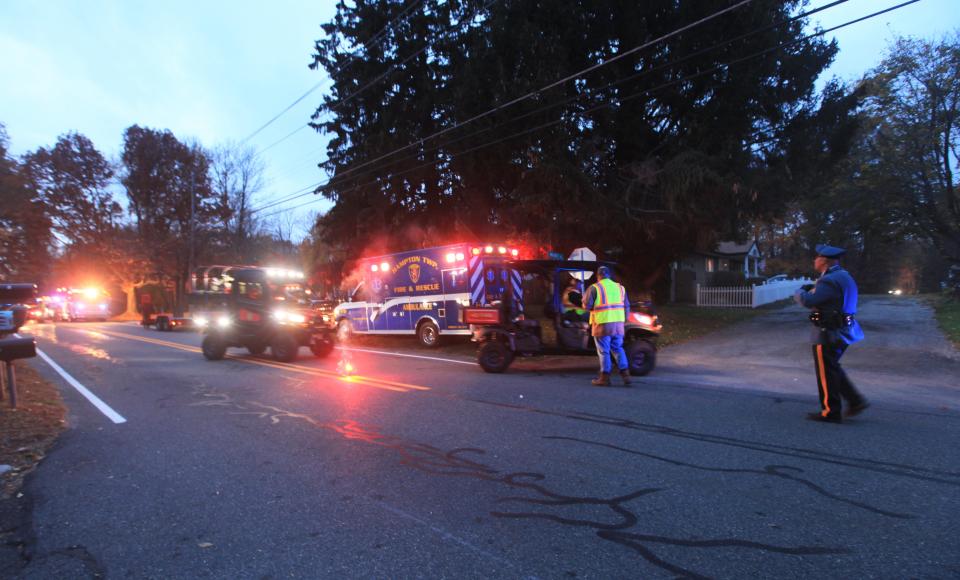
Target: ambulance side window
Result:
[[360, 294], [454, 281]]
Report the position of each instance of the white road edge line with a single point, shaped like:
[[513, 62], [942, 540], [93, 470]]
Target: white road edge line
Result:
[[103, 407], [449, 360]]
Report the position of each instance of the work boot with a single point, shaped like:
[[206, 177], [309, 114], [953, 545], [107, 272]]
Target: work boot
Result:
[[603, 380], [625, 375]]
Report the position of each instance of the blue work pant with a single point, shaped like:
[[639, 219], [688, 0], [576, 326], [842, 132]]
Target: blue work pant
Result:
[[611, 344]]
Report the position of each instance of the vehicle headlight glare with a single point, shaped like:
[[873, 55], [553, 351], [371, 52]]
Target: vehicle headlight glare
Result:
[[223, 321]]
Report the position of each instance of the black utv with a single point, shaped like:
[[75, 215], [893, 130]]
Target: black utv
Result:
[[504, 330], [258, 309]]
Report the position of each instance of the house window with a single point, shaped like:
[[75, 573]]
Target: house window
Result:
[[711, 266]]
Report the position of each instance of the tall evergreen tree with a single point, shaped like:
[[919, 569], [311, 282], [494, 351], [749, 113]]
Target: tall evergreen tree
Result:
[[649, 156]]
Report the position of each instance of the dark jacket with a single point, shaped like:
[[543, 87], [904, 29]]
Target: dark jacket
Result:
[[834, 295]]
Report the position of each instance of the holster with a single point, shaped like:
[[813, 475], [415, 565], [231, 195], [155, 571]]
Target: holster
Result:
[[831, 319]]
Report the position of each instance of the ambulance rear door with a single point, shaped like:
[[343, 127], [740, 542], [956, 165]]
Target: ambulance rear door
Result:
[[456, 294]]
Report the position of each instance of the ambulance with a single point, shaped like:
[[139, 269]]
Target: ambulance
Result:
[[423, 293]]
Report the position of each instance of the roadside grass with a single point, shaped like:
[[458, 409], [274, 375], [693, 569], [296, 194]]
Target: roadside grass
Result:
[[27, 432], [947, 312]]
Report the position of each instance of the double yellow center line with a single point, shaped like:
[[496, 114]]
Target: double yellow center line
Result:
[[352, 379]]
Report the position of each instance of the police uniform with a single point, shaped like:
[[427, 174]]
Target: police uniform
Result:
[[833, 301]]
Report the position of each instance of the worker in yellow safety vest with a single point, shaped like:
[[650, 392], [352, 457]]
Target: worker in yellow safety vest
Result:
[[609, 308], [571, 305]]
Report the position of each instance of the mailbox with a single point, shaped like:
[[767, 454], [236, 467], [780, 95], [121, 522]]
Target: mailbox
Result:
[[12, 348], [6, 322]]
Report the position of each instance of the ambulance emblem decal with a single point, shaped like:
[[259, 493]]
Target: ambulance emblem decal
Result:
[[414, 271]]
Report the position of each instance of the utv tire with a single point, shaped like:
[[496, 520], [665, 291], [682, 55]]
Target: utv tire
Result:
[[256, 348], [494, 357], [642, 357], [214, 348], [429, 335], [284, 348]]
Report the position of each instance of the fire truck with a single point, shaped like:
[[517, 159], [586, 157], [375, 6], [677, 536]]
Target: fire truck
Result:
[[85, 304], [423, 293]]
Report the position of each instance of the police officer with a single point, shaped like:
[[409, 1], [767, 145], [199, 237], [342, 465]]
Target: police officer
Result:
[[833, 300], [609, 308]]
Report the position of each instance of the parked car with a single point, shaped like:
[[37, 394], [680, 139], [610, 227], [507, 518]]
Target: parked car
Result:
[[777, 278]]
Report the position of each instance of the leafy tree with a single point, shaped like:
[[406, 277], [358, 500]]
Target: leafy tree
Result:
[[650, 156], [168, 186], [237, 177], [73, 180], [25, 235], [915, 102], [895, 193]]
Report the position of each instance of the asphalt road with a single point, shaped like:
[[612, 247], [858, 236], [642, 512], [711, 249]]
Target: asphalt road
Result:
[[429, 468]]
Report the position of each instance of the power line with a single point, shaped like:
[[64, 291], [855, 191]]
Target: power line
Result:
[[538, 91], [615, 83], [365, 46], [391, 69], [623, 99]]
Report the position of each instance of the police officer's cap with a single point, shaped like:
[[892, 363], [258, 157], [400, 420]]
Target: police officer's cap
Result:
[[830, 251], [603, 272]]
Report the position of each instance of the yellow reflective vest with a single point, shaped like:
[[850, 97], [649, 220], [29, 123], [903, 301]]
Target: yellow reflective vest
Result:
[[608, 306]]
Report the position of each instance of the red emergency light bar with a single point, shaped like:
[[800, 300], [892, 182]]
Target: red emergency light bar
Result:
[[501, 250]]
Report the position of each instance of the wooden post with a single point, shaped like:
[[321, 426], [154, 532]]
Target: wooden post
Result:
[[12, 384]]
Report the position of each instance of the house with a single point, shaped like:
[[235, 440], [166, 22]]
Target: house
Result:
[[702, 268]]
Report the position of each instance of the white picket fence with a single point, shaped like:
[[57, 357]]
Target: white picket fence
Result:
[[748, 296]]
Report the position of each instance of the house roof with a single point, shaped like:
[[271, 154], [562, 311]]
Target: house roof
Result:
[[731, 249]]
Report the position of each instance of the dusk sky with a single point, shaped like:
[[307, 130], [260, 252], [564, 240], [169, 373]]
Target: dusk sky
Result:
[[216, 71]]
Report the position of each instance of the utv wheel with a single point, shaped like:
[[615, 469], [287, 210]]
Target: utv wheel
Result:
[[163, 324], [284, 348], [322, 349], [494, 357], [256, 348], [429, 335], [642, 357], [214, 348]]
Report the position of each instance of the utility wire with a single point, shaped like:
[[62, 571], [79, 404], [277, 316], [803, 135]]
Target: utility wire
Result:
[[365, 46], [603, 88], [541, 90], [390, 70], [622, 100]]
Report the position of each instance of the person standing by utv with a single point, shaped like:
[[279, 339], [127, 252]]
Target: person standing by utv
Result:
[[833, 300], [607, 303]]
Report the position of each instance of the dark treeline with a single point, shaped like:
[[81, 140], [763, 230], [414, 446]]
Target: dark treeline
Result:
[[467, 121], [717, 132], [62, 224]]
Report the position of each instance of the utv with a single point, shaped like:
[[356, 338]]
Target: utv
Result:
[[502, 330], [257, 310]]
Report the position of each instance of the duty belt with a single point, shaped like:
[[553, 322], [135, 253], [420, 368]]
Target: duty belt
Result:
[[831, 319]]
